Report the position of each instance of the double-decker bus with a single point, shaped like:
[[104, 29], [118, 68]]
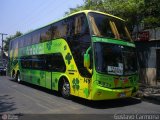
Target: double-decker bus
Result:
[[88, 54]]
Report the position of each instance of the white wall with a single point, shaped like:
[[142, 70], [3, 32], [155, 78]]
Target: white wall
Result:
[[154, 34]]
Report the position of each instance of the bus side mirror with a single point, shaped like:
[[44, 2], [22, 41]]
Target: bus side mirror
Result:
[[86, 60]]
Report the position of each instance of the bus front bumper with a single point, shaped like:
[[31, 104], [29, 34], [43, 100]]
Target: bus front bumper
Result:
[[101, 93]]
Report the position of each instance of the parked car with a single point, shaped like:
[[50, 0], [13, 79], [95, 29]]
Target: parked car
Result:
[[2, 70]]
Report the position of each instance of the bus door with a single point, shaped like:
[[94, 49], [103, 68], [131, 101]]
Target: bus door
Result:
[[49, 70], [57, 67], [48, 78], [26, 66], [52, 80]]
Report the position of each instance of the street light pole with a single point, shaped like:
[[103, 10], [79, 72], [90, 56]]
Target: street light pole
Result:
[[2, 34]]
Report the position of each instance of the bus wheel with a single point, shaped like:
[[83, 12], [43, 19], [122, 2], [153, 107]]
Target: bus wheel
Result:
[[13, 75], [65, 89], [18, 78]]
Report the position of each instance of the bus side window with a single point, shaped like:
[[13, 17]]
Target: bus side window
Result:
[[22, 62], [45, 34], [25, 41], [28, 39], [25, 62], [53, 29], [29, 62], [36, 37], [59, 30], [81, 28], [55, 63], [79, 41], [21, 42], [11, 45], [38, 62]]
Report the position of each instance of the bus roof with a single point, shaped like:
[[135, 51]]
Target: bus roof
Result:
[[83, 11], [87, 11]]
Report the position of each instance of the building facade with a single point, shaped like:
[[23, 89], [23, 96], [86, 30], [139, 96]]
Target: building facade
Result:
[[148, 51]]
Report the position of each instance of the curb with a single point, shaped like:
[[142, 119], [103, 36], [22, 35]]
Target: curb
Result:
[[152, 97], [155, 97]]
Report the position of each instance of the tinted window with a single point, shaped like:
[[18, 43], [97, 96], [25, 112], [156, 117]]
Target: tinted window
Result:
[[79, 40], [106, 26], [45, 34], [26, 62], [28, 39], [21, 42], [25, 41], [59, 30], [51, 62], [38, 62], [115, 59], [36, 37], [55, 62], [15, 44]]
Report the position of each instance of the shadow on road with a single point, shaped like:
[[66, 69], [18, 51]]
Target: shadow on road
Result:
[[6, 103], [104, 104], [93, 104], [151, 101], [52, 92]]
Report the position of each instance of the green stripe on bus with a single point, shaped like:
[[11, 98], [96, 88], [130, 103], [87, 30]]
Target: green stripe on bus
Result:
[[113, 41]]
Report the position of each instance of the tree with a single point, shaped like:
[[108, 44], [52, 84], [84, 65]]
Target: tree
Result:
[[152, 14], [130, 10], [8, 39], [88, 5]]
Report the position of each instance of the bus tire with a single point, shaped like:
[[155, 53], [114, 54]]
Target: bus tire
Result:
[[18, 78], [65, 88], [13, 75]]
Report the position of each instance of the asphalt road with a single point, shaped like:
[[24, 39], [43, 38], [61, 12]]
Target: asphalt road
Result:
[[29, 99]]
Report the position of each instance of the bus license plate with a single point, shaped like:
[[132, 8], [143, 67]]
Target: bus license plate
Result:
[[122, 95]]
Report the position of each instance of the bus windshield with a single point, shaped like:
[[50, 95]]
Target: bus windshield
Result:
[[109, 27], [115, 59]]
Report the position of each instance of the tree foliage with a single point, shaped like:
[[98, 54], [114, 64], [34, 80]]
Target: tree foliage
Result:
[[8, 39], [152, 13], [134, 12], [130, 10]]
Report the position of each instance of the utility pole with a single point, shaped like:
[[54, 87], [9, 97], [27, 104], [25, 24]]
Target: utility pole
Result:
[[2, 34]]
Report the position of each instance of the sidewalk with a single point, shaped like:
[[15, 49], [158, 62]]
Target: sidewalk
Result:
[[149, 92]]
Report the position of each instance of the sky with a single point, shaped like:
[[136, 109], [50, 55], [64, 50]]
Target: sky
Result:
[[27, 15]]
